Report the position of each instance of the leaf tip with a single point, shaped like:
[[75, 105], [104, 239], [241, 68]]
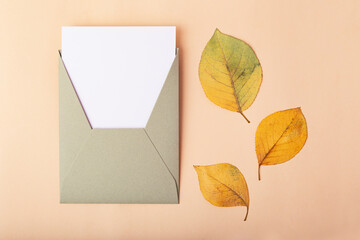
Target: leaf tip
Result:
[[298, 109], [217, 31]]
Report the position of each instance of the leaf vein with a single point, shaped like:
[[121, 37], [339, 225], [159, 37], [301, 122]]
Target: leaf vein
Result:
[[215, 68], [216, 79], [241, 198], [273, 146], [227, 66]]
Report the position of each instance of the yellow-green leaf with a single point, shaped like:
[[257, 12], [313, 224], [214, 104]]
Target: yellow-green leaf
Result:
[[223, 185], [230, 73], [280, 136]]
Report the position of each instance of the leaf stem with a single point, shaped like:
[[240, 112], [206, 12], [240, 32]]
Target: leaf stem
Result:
[[259, 172], [244, 117], [247, 212]]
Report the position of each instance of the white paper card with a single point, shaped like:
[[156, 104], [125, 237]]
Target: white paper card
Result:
[[118, 72]]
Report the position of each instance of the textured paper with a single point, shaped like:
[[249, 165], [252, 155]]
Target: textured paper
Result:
[[139, 165]]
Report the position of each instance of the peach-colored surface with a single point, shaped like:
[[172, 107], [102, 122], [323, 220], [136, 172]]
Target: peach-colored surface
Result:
[[309, 51]]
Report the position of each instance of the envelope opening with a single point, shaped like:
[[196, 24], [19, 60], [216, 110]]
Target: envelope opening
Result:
[[118, 72], [84, 112]]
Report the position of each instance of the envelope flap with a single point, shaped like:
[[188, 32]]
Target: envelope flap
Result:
[[163, 125], [74, 127], [119, 166]]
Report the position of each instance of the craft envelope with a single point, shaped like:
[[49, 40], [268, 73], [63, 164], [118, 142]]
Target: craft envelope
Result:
[[125, 165]]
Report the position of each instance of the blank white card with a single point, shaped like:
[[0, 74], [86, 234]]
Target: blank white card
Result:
[[118, 72]]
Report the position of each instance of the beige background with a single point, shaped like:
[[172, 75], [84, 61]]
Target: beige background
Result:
[[309, 53]]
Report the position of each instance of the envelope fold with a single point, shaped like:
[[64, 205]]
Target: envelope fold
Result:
[[164, 121], [74, 127]]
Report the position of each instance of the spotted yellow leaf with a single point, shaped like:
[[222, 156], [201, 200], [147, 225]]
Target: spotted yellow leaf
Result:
[[223, 185], [230, 72], [280, 136]]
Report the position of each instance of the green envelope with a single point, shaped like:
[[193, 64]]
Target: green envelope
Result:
[[125, 165]]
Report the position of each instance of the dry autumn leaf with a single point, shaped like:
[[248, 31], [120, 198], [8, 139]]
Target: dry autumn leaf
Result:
[[230, 73], [280, 136], [223, 185]]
